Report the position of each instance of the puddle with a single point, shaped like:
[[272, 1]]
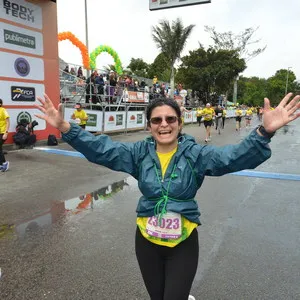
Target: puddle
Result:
[[59, 211]]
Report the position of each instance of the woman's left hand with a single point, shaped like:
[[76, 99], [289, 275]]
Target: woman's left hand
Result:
[[283, 114]]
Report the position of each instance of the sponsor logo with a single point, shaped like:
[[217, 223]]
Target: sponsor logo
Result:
[[21, 93], [92, 121], [119, 120], [18, 11], [22, 66], [24, 115], [19, 39]]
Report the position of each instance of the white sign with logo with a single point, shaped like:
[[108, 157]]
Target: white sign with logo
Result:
[[188, 117], [24, 113], [22, 12], [114, 120], [135, 119], [20, 93], [95, 118], [20, 39], [21, 66]]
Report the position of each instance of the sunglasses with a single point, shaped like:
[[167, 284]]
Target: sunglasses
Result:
[[168, 119]]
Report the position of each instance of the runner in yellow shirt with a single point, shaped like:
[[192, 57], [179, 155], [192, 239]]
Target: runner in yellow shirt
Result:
[[248, 117], [208, 114], [199, 115], [238, 118], [80, 115]]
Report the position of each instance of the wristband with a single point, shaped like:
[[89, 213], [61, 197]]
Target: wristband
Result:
[[263, 131]]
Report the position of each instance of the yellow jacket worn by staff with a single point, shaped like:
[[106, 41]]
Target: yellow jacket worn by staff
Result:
[[3, 116], [208, 114], [82, 115]]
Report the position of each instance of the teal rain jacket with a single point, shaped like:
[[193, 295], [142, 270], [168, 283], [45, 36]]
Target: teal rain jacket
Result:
[[185, 173]]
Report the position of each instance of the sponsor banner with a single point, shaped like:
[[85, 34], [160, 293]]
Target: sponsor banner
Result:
[[17, 114], [21, 12], [129, 96], [114, 120], [21, 66], [135, 119], [94, 122], [188, 117], [20, 39], [194, 116], [20, 93]]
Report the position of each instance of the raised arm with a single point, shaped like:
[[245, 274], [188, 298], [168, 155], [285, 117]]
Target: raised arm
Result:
[[97, 149]]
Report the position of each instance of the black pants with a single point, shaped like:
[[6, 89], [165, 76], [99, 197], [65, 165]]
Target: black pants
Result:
[[2, 158], [217, 120], [168, 273], [223, 122]]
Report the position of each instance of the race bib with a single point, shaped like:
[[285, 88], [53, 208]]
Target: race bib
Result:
[[170, 226], [219, 114]]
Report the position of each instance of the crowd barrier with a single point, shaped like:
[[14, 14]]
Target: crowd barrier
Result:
[[124, 117]]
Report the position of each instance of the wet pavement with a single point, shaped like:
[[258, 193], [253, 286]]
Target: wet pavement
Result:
[[67, 227]]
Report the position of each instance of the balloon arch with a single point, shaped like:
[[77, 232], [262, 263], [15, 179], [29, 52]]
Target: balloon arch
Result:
[[89, 62]]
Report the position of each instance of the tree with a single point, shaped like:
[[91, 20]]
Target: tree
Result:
[[210, 72], [171, 39], [252, 91], [138, 67], [239, 42], [277, 85], [160, 68]]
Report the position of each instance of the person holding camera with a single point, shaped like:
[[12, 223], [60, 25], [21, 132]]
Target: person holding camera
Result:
[[4, 126]]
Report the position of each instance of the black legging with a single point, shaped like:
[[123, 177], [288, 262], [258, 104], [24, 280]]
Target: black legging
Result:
[[2, 158], [223, 122], [168, 273]]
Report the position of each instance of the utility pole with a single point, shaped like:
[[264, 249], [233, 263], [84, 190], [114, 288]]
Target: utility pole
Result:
[[86, 33], [235, 87]]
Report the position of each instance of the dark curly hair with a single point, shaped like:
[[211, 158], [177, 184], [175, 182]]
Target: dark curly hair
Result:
[[160, 102]]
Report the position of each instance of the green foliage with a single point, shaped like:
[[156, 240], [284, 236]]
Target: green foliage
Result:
[[253, 90], [160, 68], [171, 39], [138, 67], [210, 71]]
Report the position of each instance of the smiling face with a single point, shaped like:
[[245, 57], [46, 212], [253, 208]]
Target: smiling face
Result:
[[165, 133]]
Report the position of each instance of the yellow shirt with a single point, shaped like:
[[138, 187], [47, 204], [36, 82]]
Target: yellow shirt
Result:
[[3, 116], [224, 113], [199, 112], [238, 112], [81, 115], [249, 112], [187, 226], [208, 113]]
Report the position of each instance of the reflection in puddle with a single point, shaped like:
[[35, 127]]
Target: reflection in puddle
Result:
[[59, 210]]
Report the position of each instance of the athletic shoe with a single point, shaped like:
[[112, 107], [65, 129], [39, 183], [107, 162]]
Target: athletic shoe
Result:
[[5, 166], [191, 297], [206, 140]]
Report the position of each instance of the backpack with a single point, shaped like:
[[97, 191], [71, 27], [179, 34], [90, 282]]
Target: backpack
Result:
[[52, 140]]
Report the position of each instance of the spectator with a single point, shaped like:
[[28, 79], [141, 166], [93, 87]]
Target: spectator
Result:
[[4, 127], [79, 72]]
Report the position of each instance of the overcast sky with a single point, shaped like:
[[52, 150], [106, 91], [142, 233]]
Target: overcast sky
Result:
[[125, 25]]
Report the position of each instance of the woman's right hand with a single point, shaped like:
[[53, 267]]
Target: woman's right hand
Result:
[[51, 115]]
